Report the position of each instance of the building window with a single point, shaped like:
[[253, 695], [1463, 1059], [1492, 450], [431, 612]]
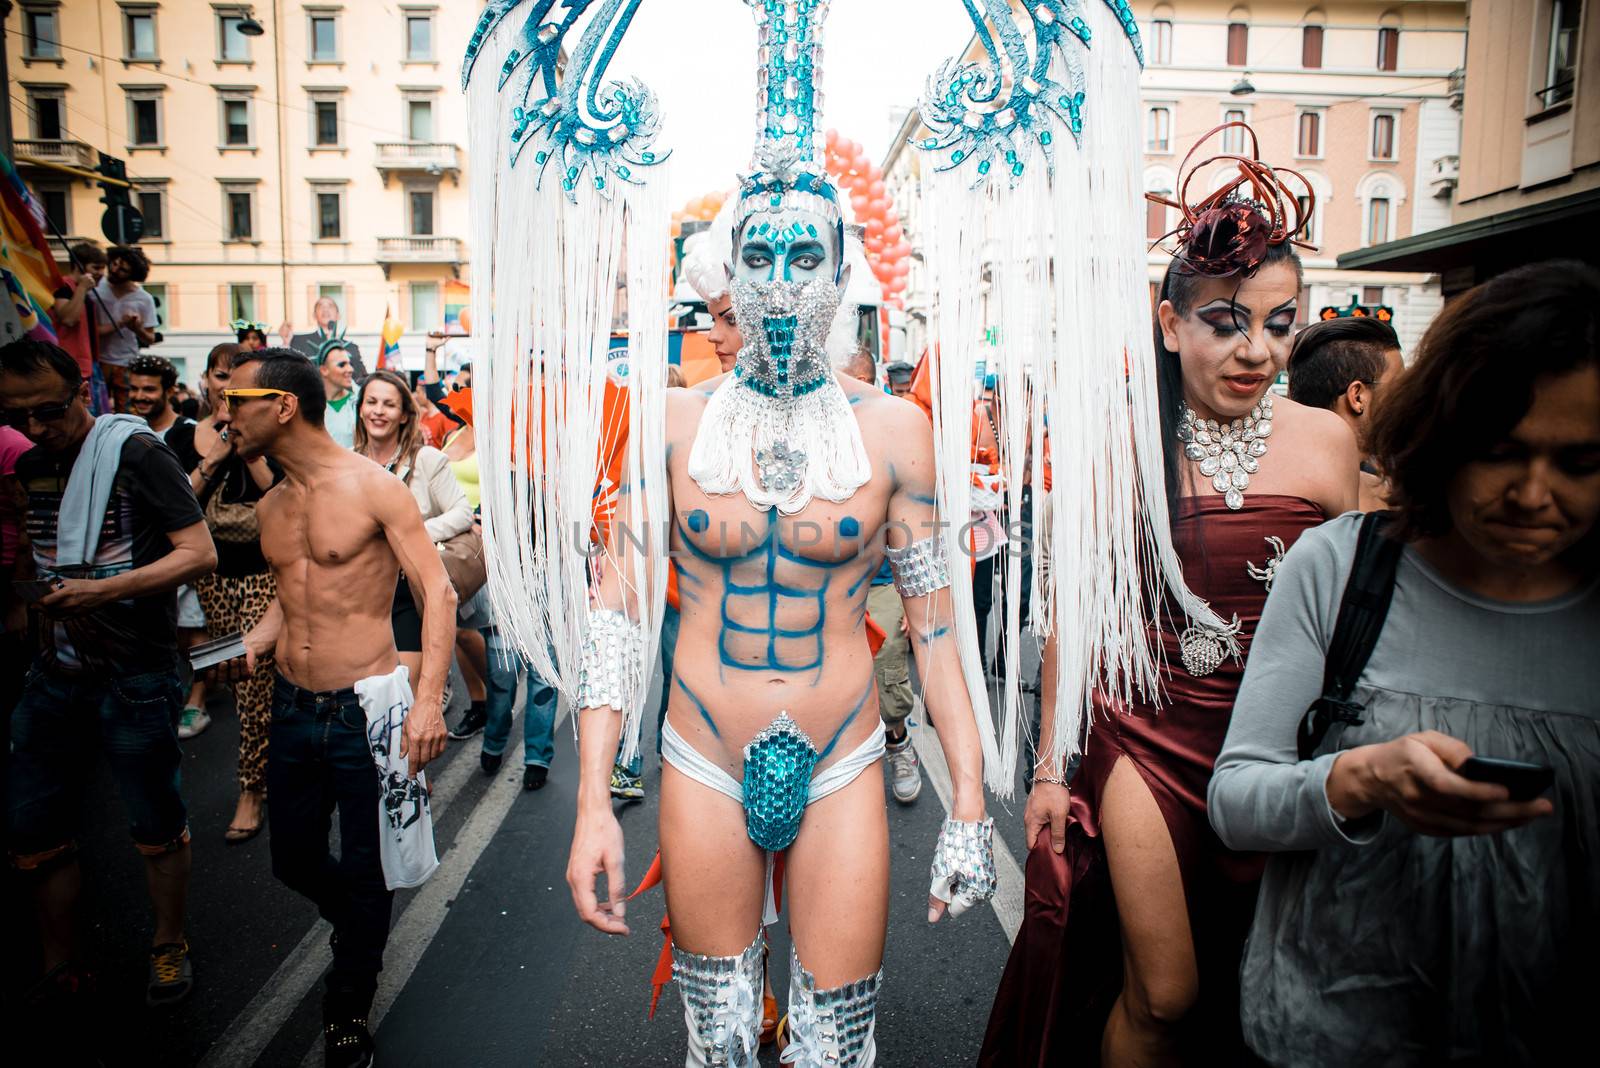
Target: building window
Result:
[[329, 205], [1561, 54], [152, 204], [56, 202], [1308, 144], [158, 293], [242, 301], [335, 292], [1160, 42], [1388, 48], [1311, 48], [419, 212], [1383, 135], [1238, 44], [1377, 220], [324, 31], [138, 33], [41, 36], [232, 46], [424, 305], [145, 127], [236, 125], [1155, 218], [1234, 138], [419, 120], [325, 123], [1371, 295], [239, 213], [48, 120], [1158, 130], [419, 36], [1308, 214]]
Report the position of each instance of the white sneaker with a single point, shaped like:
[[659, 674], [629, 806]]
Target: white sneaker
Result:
[[193, 722], [905, 776]]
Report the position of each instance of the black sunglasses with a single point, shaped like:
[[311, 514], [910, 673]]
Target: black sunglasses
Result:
[[42, 413]]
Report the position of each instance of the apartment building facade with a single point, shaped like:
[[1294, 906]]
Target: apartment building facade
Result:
[[1355, 96], [324, 157], [1530, 159]]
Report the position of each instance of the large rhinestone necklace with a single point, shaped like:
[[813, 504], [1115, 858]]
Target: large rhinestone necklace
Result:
[[1228, 453]]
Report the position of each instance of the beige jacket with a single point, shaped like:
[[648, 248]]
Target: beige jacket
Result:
[[445, 511]]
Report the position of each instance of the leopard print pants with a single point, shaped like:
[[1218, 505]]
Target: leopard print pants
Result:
[[234, 605]]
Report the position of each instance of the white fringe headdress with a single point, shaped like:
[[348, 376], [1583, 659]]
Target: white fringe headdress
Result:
[[555, 200], [1037, 193]]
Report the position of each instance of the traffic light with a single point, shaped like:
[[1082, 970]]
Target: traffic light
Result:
[[123, 224], [112, 195]]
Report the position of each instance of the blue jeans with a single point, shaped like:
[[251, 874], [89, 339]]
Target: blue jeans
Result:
[[669, 647], [55, 728], [538, 720], [318, 758]]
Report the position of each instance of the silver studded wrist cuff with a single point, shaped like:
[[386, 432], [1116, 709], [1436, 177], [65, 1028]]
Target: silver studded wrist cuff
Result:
[[919, 568], [612, 651], [963, 864]]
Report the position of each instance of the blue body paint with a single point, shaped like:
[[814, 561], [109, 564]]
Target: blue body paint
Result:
[[923, 498], [847, 721], [752, 587], [698, 521], [699, 706], [849, 527], [933, 635]]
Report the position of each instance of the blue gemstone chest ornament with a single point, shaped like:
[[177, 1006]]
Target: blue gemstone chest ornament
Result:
[[778, 764], [594, 132], [963, 108]]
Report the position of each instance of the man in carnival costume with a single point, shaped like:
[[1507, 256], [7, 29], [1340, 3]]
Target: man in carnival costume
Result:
[[778, 494]]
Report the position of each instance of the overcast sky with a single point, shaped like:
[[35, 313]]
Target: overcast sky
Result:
[[699, 57]]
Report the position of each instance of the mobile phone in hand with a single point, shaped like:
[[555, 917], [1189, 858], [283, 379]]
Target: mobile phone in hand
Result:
[[1525, 781]]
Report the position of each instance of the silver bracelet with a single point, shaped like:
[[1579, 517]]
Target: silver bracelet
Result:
[[920, 568], [1051, 779], [611, 657]]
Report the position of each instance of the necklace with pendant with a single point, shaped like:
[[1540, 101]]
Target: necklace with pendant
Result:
[[1228, 453]]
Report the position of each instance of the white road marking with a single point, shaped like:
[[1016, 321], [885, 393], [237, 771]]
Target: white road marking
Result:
[[259, 1022]]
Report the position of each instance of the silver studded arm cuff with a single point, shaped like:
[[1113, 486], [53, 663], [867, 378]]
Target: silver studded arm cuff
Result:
[[963, 864], [613, 650], [919, 568]]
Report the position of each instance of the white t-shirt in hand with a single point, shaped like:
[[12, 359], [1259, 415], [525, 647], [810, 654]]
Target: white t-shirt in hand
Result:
[[121, 345], [405, 823]]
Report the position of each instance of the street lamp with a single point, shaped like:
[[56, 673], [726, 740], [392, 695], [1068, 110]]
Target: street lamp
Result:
[[1242, 87], [248, 26]]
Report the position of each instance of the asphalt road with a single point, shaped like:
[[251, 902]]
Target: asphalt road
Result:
[[487, 963]]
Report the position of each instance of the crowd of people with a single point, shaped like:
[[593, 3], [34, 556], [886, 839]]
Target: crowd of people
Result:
[[1366, 835]]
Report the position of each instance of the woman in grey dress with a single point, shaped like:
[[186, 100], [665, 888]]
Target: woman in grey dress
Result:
[[1413, 915]]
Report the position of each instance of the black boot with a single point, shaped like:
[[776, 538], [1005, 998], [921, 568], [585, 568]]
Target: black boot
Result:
[[346, 1042]]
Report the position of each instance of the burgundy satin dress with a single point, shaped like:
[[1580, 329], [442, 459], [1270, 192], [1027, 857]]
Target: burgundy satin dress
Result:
[[1065, 970]]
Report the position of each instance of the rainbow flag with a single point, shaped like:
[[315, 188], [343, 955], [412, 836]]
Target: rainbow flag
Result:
[[389, 357], [457, 296], [29, 271]]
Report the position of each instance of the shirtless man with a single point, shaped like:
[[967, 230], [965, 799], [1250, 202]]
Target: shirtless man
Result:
[[337, 532], [771, 739]]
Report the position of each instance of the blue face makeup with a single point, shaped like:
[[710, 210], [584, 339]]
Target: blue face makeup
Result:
[[789, 246]]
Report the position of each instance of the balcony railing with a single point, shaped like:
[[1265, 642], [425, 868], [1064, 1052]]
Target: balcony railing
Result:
[[419, 249], [68, 153], [428, 157]]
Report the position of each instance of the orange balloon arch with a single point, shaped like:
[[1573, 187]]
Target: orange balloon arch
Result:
[[888, 251]]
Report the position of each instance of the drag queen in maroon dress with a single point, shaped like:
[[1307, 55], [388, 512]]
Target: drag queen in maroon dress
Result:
[[1135, 913]]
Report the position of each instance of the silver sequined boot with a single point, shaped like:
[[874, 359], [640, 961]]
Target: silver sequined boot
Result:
[[722, 1003], [831, 1028]]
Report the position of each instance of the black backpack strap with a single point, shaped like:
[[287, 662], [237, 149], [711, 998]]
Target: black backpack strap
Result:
[[1362, 611]]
